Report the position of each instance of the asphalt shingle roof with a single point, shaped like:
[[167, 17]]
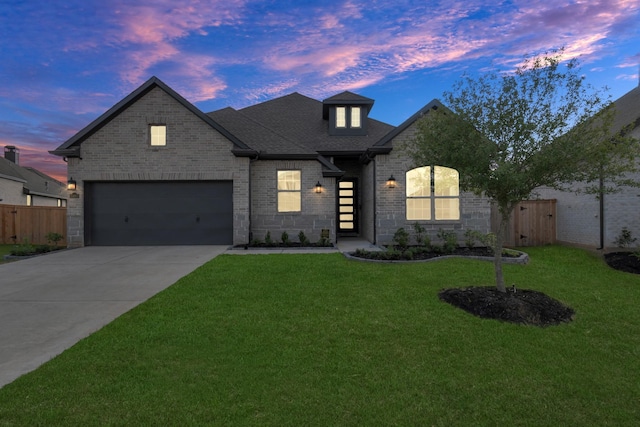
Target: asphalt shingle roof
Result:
[[294, 122], [34, 180]]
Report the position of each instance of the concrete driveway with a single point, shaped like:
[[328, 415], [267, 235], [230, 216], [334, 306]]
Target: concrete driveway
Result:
[[49, 303]]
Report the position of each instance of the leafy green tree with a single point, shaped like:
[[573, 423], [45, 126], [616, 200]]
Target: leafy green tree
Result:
[[510, 133]]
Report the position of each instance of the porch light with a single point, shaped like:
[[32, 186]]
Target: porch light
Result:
[[71, 184], [391, 182], [318, 188]]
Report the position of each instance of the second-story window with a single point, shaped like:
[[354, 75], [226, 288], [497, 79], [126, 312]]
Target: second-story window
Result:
[[355, 117], [158, 135], [348, 117], [341, 117]]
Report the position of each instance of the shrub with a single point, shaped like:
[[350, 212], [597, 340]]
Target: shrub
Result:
[[54, 238], [624, 239], [285, 238], [419, 230], [23, 249], [489, 240], [471, 237], [324, 242], [303, 238], [268, 240], [401, 237], [449, 240]]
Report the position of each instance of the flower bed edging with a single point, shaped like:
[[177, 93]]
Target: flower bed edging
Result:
[[522, 259]]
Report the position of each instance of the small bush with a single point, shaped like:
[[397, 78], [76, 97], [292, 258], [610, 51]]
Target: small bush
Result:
[[324, 242], [471, 237], [624, 239], [54, 238], [268, 240], [449, 240], [285, 238], [23, 249], [401, 237], [489, 240], [303, 238], [419, 232]]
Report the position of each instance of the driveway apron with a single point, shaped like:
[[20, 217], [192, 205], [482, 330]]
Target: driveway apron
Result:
[[49, 303]]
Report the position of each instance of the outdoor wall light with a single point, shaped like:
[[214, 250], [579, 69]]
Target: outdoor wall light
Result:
[[71, 185], [318, 188], [391, 182]]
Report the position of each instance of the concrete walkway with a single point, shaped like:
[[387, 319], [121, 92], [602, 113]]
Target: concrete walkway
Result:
[[345, 244], [49, 303]]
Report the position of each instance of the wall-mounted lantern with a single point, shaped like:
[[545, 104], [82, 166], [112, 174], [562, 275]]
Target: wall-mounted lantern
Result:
[[71, 185], [391, 182], [318, 188]]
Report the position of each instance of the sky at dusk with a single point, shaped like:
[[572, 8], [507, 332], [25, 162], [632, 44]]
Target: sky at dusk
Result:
[[64, 63]]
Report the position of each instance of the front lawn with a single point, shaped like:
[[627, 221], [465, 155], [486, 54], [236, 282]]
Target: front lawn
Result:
[[319, 340]]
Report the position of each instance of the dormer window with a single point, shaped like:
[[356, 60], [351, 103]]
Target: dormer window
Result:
[[341, 117], [347, 114], [355, 117]]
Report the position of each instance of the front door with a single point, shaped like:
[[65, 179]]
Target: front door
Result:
[[348, 206]]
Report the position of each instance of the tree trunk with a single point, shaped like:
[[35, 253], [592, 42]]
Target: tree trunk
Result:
[[497, 260]]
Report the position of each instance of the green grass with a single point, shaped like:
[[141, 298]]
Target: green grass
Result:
[[318, 340], [5, 250]]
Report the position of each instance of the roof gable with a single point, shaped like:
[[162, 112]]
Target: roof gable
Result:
[[433, 105], [70, 148], [346, 98]]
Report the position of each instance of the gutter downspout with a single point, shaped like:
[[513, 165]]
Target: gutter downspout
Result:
[[601, 196], [250, 236], [375, 202]]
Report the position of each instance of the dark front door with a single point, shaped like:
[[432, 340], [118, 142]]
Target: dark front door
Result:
[[159, 213], [348, 206]]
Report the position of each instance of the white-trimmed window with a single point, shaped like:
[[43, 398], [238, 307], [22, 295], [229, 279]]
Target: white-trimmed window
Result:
[[341, 117], [158, 135], [353, 114], [433, 193], [289, 193], [355, 117]]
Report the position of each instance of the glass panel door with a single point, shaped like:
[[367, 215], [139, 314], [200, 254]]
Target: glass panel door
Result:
[[347, 206]]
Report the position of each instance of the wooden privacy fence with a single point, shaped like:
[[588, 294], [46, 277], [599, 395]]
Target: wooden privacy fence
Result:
[[532, 223], [32, 223]]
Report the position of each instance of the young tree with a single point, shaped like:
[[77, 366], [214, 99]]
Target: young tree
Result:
[[510, 133]]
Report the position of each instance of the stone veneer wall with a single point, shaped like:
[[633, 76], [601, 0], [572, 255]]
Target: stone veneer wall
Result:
[[318, 210], [475, 212], [120, 151]]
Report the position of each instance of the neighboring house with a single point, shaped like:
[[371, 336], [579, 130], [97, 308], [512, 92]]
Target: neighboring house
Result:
[[154, 169], [27, 186], [596, 221]]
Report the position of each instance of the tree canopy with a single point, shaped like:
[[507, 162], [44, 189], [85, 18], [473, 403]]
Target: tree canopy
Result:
[[510, 133]]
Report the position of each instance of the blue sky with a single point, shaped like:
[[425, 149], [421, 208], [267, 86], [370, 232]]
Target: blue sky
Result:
[[63, 63]]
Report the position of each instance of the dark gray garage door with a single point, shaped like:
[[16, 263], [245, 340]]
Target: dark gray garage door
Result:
[[159, 213]]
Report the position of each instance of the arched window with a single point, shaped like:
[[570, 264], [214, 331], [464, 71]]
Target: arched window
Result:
[[433, 193]]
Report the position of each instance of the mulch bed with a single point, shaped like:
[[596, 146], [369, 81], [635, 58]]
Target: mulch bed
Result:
[[522, 306], [623, 261], [419, 253]]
